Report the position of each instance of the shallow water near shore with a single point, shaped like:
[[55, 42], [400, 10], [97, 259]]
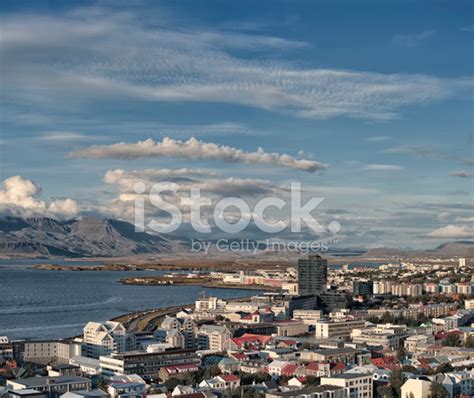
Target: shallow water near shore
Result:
[[54, 304]]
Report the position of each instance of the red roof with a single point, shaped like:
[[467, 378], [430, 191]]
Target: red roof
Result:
[[338, 366], [239, 356], [312, 366], [251, 338], [386, 362], [289, 370]]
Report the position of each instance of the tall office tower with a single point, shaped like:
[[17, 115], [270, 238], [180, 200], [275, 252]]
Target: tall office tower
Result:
[[462, 262], [312, 275]]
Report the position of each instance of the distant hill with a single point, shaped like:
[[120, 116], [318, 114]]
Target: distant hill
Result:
[[87, 237], [463, 248]]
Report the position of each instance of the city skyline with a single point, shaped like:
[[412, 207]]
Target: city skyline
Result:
[[368, 106]]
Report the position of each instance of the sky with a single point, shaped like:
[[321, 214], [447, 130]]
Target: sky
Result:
[[366, 104]]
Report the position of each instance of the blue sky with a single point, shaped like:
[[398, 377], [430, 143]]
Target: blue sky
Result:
[[376, 95]]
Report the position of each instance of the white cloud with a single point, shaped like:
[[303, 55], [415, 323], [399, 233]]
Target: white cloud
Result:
[[412, 40], [462, 174], [99, 54], [465, 219], [64, 136], [453, 231], [19, 197], [194, 149], [382, 167]]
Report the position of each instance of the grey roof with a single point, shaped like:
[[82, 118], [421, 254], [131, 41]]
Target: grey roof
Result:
[[85, 394], [307, 390], [32, 382]]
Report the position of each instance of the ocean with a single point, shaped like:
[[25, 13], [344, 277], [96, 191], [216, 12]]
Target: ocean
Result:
[[39, 304]]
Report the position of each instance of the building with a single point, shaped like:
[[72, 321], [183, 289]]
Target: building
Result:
[[462, 262], [105, 338], [213, 337], [413, 342], [356, 385], [47, 351], [53, 387], [186, 326], [145, 364], [209, 304], [310, 317], [363, 288], [312, 275], [337, 328], [345, 355], [291, 328], [416, 388], [326, 391], [387, 340]]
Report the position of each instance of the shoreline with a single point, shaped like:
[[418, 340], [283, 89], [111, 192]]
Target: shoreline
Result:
[[202, 282]]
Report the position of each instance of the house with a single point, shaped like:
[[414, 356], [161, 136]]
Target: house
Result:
[[276, 367], [129, 389], [85, 394], [221, 383], [177, 371]]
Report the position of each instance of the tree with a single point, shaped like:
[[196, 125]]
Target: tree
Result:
[[211, 371], [401, 353], [171, 383], [444, 368], [438, 391], [452, 340], [396, 382]]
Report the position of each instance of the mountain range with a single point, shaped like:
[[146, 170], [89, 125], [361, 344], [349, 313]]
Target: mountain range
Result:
[[95, 237]]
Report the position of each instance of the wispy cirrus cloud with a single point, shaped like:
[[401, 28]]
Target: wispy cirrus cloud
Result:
[[382, 167], [194, 149], [412, 40], [462, 174], [101, 54]]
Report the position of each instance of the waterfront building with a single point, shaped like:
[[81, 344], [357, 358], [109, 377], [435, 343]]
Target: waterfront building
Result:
[[312, 275], [106, 337]]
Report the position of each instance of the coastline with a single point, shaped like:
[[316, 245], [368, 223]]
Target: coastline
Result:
[[202, 282]]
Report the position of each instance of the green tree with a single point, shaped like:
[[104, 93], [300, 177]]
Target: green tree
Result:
[[101, 384], [438, 391], [170, 384], [396, 382], [401, 353], [211, 371], [452, 340]]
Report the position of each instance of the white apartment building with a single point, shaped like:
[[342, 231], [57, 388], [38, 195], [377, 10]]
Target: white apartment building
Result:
[[213, 337], [104, 338], [209, 304], [310, 317], [337, 328], [357, 385], [186, 326]]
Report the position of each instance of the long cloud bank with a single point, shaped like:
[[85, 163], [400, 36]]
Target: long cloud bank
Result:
[[99, 53], [194, 149]]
